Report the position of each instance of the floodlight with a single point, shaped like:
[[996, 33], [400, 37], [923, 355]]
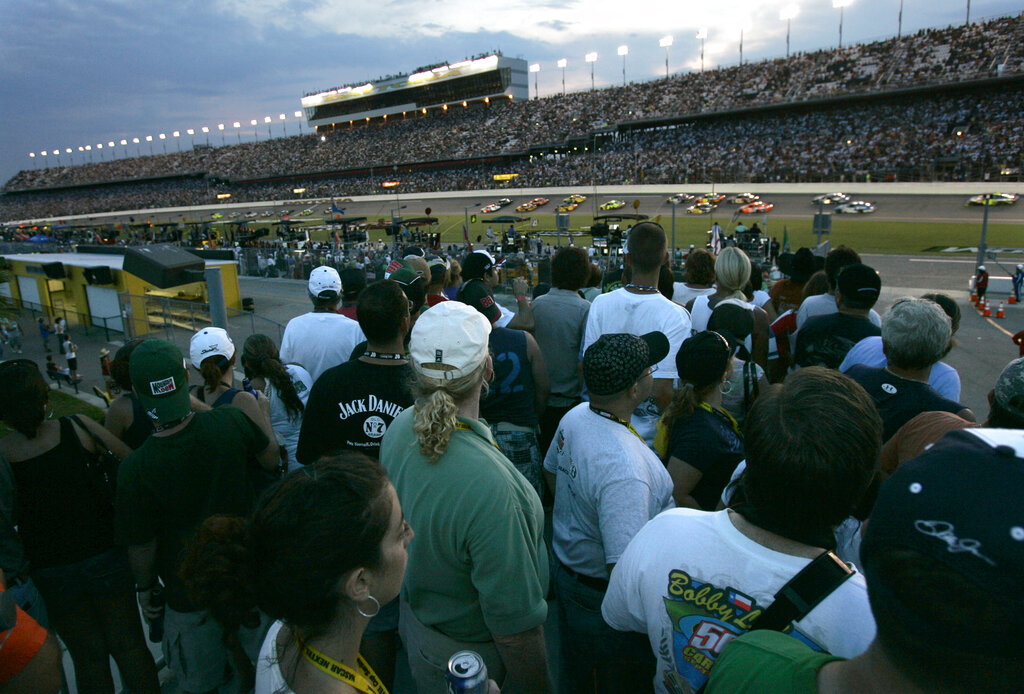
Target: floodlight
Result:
[[298, 114], [135, 140], [110, 144], [535, 67], [220, 126], [206, 129], [163, 136], [590, 57], [789, 12], [252, 122], [282, 116], [665, 41], [88, 148], [841, 3], [176, 133], [266, 119], [562, 62], [702, 33], [191, 131], [149, 138], [236, 124], [623, 50]]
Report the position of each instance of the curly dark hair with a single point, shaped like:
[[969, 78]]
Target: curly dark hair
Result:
[[699, 268], [308, 530]]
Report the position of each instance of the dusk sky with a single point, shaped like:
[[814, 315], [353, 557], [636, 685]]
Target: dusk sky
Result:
[[88, 72]]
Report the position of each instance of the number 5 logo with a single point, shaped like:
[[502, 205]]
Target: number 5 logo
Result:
[[711, 637]]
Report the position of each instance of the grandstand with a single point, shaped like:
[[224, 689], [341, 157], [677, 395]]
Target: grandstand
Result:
[[434, 86], [942, 104]]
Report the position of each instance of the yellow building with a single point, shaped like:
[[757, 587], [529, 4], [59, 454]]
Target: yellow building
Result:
[[93, 289]]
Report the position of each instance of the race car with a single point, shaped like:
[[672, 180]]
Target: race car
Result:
[[575, 198], [994, 199], [251, 215], [540, 202], [701, 208], [613, 205], [679, 197], [493, 207], [528, 206], [307, 212], [831, 199], [855, 207], [216, 215], [711, 197], [267, 213], [504, 201], [744, 198], [568, 207], [756, 207]]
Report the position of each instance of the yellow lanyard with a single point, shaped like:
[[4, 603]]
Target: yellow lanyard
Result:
[[732, 420], [365, 681], [462, 426]]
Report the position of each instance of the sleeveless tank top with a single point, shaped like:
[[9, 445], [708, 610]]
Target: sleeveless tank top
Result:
[[510, 398], [61, 517], [141, 427]]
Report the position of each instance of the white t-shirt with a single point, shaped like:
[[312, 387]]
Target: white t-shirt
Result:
[[823, 305], [682, 292], [608, 485], [943, 377], [637, 314], [269, 679], [287, 428], [692, 581], [318, 341]]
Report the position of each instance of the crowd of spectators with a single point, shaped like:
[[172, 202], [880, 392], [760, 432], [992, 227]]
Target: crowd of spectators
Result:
[[967, 134]]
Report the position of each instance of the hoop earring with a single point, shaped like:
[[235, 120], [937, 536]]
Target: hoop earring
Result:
[[727, 387], [376, 603]]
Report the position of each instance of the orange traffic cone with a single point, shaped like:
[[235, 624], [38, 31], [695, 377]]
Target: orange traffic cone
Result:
[[988, 310], [974, 296], [1012, 299], [1000, 313]]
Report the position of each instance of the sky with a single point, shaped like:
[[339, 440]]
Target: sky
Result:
[[86, 72]]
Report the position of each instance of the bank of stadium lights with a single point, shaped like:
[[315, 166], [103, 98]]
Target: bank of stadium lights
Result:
[[591, 58], [535, 69], [623, 51], [562, 62], [788, 13], [268, 120], [666, 43], [206, 131], [702, 34], [841, 4]]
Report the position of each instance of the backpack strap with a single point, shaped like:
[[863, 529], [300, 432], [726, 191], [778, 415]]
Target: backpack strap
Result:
[[804, 592]]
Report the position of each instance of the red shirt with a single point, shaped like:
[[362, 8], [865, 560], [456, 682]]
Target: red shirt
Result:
[[348, 312], [435, 299], [21, 646]]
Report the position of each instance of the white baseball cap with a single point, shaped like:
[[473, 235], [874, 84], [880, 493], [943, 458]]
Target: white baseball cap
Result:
[[324, 279], [449, 341], [981, 267], [210, 342]]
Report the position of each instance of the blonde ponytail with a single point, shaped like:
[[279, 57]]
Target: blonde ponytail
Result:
[[437, 409]]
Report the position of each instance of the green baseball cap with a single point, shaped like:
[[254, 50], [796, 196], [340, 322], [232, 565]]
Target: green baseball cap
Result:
[[160, 380]]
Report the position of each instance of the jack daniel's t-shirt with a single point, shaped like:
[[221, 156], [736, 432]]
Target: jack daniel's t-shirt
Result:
[[350, 407]]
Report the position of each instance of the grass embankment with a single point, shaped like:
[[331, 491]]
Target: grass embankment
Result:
[[64, 404], [866, 234]]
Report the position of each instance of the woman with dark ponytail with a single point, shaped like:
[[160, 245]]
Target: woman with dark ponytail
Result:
[[325, 547], [698, 440], [286, 386], [213, 354]]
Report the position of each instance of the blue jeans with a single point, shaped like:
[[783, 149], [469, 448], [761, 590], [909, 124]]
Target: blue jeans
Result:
[[595, 657]]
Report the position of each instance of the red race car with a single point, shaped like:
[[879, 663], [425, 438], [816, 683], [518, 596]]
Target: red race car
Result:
[[755, 207]]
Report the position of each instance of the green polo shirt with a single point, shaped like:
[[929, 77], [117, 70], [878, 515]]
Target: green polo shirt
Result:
[[478, 565]]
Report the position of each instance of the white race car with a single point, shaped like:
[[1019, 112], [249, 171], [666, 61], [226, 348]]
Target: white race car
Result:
[[855, 207]]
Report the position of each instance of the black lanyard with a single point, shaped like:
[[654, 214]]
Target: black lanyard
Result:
[[392, 356], [615, 418]]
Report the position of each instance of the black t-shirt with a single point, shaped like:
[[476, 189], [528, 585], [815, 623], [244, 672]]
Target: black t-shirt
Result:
[[706, 440], [350, 407], [899, 399], [825, 340]]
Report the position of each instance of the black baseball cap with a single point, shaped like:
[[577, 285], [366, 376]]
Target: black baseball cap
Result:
[[616, 360]]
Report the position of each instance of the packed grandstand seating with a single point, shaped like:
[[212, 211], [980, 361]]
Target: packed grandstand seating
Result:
[[904, 138]]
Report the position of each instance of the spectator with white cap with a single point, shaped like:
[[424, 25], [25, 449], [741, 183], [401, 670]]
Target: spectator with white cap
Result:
[[478, 572], [481, 265], [981, 282], [321, 338]]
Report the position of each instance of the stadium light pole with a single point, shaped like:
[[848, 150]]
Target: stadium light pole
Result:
[[177, 134], [124, 143], [99, 148], [220, 126], [284, 125], [623, 51], [562, 62], [666, 43], [206, 131], [841, 4], [968, 22], [192, 134], [149, 139], [32, 156], [267, 120], [255, 132], [163, 137], [591, 58], [535, 69], [899, 22], [702, 34], [237, 125], [298, 114], [788, 13], [88, 149], [135, 141]]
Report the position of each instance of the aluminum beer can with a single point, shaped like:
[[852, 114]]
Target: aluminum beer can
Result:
[[467, 674]]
